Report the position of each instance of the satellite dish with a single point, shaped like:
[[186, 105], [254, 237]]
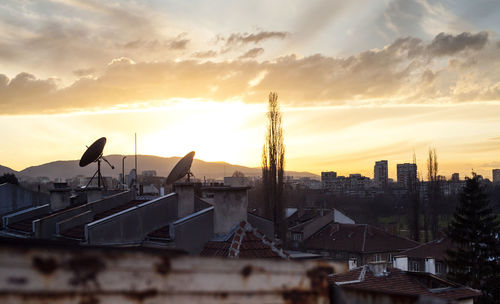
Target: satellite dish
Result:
[[181, 169], [94, 154]]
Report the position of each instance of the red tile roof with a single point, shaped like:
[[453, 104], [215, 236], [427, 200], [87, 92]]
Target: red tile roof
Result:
[[435, 249], [356, 238], [398, 282], [244, 242]]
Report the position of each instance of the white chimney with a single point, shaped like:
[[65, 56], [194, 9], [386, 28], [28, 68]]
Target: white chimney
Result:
[[230, 207], [185, 198], [60, 196]]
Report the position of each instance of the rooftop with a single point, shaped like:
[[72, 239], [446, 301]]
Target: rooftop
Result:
[[399, 282], [357, 238], [244, 241], [435, 249], [78, 232]]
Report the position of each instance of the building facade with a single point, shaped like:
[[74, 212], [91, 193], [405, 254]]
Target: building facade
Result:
[[407, 174], [380, 173], [496, 175]]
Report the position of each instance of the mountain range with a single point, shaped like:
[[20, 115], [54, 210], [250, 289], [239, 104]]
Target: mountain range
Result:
[[201, 169]]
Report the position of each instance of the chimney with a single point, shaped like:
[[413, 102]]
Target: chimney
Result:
[[60, 196], [230, 207], [378, 268], [185, 198], [93, 194]]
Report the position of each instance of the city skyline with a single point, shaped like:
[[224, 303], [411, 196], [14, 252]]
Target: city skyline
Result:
[[356, 82]]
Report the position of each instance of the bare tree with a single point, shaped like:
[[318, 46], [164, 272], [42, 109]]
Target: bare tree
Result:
[[238, 173], [433, 195], [273, 163]]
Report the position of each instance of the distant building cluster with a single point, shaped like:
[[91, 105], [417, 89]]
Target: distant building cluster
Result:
[[357, 185]]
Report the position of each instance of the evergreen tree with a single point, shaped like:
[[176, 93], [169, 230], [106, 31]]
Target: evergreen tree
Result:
[[475, 232]]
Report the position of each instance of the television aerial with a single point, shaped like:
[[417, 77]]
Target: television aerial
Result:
[[94, 154], [181, 169]]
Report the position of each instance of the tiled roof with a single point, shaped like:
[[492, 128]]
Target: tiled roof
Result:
[[356, 238], [398, 282], [435, 249], [78, 232], [305, 216], [244, 242]]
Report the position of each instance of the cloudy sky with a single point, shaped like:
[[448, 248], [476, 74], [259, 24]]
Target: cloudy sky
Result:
[[357, 81]]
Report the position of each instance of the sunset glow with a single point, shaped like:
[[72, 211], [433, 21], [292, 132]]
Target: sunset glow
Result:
[[353, 90]]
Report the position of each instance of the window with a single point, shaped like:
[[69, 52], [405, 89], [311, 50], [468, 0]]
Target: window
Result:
[[439, 268], [377, 257], [413, 266], [297, 236]]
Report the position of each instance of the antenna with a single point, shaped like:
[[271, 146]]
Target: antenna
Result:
[[94, 154], [181, 169]]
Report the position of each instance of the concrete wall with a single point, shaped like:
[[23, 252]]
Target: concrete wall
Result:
[[191, 233], [200, 204], [339, 217], [132, 225], [25, 214], [74, 221], [111, 201], [45, 227], [138, 275], [401, 262], [14, 198], [60, 199], [185, 193], [230, 208], [264, 225]]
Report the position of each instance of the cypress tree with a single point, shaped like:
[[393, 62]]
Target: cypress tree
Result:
[[475, 232]]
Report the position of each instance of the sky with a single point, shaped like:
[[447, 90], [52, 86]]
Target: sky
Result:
[[357, 81]]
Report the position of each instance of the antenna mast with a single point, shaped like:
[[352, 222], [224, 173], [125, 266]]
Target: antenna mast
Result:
[[135, 136]]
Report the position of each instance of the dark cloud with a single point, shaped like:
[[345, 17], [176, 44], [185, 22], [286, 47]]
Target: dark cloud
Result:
[[446, 44], [402, 71], [245, 38], [252, 53]]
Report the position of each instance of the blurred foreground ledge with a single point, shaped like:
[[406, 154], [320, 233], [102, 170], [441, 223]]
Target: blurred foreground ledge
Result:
[[34, 271]]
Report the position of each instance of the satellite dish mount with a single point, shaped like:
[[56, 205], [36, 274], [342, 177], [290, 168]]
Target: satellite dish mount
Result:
[[94, 154], [181, 169]]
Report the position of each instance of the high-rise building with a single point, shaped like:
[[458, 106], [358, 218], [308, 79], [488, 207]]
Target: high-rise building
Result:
[[455, 177], [407, 174], [380, 173], [328, 178], [496, 175]]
